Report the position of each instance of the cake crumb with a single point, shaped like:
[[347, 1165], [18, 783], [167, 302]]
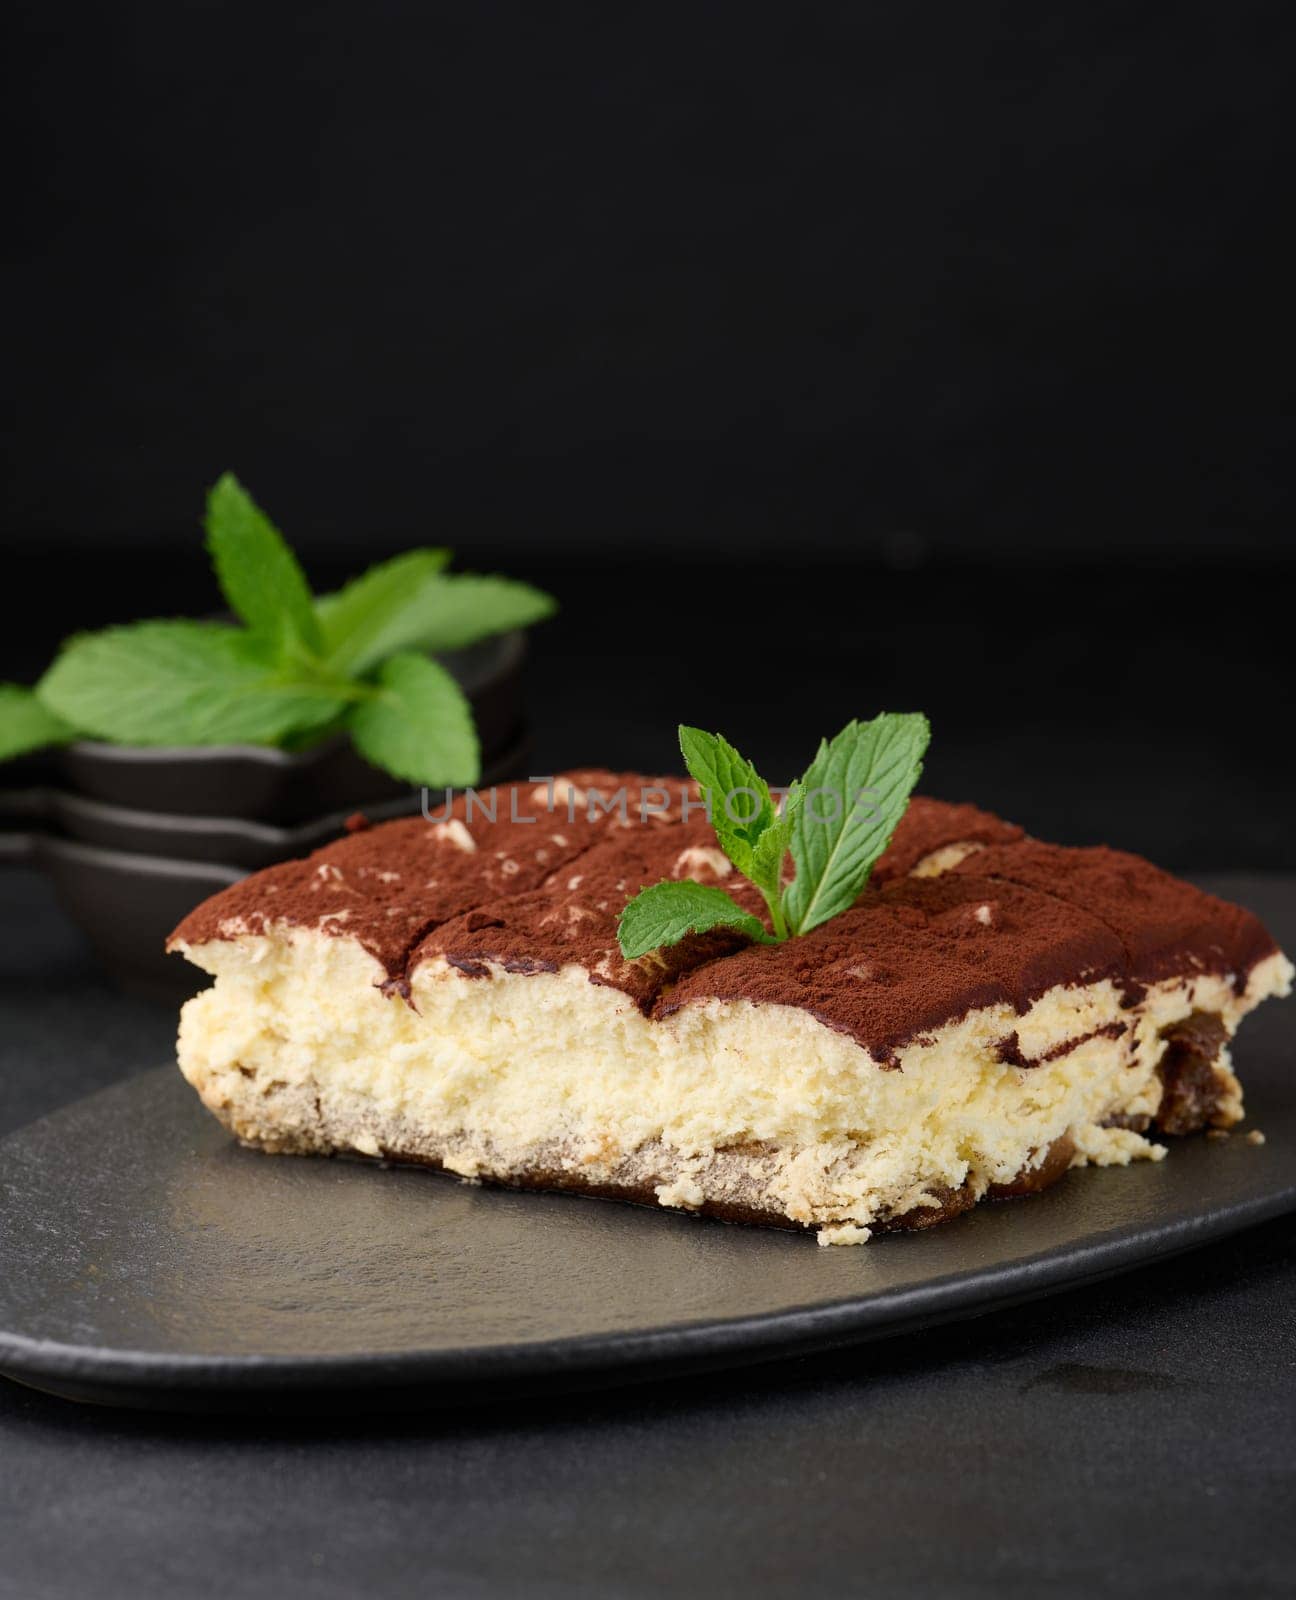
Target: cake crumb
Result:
[[1217, 1134], [463, 1165], [845, 1233], [1255, 1137], [684, 1192]]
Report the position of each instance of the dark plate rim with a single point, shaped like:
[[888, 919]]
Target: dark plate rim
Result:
[[693, 1345]]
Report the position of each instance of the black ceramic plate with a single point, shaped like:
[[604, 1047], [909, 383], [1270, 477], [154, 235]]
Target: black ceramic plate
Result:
[[145, 1259]]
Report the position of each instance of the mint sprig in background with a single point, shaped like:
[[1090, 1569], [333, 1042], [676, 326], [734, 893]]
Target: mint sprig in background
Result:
[[300, 666], [835, 821]]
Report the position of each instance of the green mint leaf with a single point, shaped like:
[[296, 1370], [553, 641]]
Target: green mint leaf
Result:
[[259, 575], [377, 614], [181, 683], [454, 610], [418, 726], [856, 791], [666, 912], [738, 797], [771, 848], [25, 724]]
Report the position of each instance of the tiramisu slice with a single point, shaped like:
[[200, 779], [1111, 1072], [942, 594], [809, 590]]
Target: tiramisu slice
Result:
[[990, 1012]]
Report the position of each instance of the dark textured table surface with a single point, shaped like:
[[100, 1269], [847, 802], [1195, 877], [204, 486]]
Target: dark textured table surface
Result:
[[1133, 1437]]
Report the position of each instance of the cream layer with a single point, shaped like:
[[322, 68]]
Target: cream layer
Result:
[[762, 1108]]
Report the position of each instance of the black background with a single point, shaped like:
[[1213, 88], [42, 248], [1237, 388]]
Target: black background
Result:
[[819, 359]]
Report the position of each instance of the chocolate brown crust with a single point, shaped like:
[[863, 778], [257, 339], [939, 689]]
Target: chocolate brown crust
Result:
[[913, 956], [931, 825], [1008, 922], [387, 886], [1164, 925], [572, 918]]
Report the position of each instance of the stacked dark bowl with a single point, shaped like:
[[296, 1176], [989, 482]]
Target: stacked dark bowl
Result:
[[133, 837]]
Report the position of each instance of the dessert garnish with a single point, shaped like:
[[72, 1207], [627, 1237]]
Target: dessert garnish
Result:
[[298, 668], [835, 820]]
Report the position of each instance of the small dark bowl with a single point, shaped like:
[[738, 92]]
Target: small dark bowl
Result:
[[223, 841], [126, 902], [125, 905], [259, 784]]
